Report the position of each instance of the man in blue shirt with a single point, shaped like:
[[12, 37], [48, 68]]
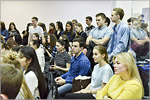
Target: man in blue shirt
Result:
[[80, 65], [101, 34], [120, 40]]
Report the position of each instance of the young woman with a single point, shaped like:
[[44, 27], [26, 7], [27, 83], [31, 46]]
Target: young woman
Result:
[[65, 38], [59, 29], [4, 31], [126, 83], [79, 31], [26, 34], [69, 31], [43, 27], [52, 28], [13, 32], [51, 39], [62, 59], [10, 57], [32, 72], [100, 76]]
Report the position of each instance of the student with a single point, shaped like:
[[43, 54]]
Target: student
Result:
[[90, 26], [26, 34], [79, 31], [4, 31], [129, 22], [32, 72], [126, 83], [11, 42], [80, 65], [62, 59], [52, 28], [51, 40], [69, 31], [65, 38], [11, 80], [74, 21], [35, 29], [140, 40], [43, 27], [100, 76], [120, 39], [14, 33], [39, 52], [10, 57], [101, 34], [107, 22], [59, 29]]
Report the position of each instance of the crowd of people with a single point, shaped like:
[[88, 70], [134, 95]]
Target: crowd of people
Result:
[[106, 54]]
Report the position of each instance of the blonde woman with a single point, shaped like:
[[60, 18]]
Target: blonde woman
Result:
[[126, 83], [11, 57]]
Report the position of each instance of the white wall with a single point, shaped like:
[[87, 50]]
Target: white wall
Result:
[[21, 12], [133, 7]]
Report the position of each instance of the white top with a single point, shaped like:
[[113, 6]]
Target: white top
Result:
[[100, 75], [38, 30], [32, 83], [41, 57]]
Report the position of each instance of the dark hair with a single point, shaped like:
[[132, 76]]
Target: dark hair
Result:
[[102, 15], [53, 40], [90, 18], [129, 20], [34, 66], [65, 38], [63, 43], [54, 29], [36, 34], [120, 12], [60, 25], [16, 48], [2, 25], [12, 23], [11, 80], [36, 42], [107, 21], [66, 31], [75, 20], [80, 41], [43, 26], [35, 18], [46, 43]]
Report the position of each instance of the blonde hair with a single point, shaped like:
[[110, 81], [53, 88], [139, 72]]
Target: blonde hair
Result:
[[128, 60], [102, 50], [10, 57]]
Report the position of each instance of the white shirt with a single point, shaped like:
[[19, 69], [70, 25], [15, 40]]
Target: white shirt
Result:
[[41, 57], [100, 75], [32, 83], [38, 30]]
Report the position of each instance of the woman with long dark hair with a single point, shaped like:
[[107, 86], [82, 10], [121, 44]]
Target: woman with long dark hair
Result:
[[69, 31], [33, 75], [13, 32], [59, 29], [4, 31]]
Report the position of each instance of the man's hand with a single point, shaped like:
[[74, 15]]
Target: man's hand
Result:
[[60, 81]]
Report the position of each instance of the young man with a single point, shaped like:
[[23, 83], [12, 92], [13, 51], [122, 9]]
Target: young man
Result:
[[35, 29], [11, 81], [90, 26], [80, 65], [101, 34], [121, 34]]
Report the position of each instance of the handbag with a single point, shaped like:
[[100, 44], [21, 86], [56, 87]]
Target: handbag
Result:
[[80, 82]]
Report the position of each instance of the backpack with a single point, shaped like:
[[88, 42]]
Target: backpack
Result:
[[51, 84]]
